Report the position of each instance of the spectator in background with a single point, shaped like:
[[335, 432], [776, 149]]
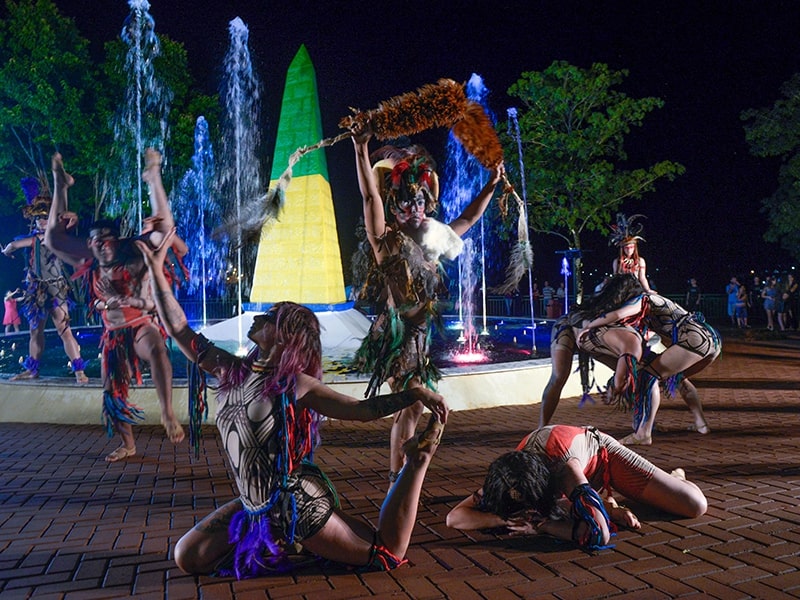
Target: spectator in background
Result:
[[11, 318], [754, 297], [547, 294], [693, 296], [732, 289], [769, 296], [742, 300], [560, 300], [792, 295]]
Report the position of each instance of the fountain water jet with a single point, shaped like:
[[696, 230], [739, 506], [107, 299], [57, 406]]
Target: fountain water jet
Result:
[[199, 212], [240, 177], [142, 120]]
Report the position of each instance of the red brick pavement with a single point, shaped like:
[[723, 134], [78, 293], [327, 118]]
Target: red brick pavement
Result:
[[72, 526]]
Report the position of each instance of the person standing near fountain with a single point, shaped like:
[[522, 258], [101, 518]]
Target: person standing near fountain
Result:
[[46, 288], [269, 408], [626, 237], [399, 193], [118, 281]]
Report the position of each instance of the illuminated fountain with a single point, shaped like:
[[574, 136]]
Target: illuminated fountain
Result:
[[142, 120], [197, 211], [56, 398]]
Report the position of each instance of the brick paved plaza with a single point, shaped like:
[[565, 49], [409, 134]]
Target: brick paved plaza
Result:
[[73, 526]]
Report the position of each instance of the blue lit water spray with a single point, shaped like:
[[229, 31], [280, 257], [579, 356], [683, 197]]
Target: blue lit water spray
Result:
[[239, 169], [142, 119], [465, 178], [199, 211], [513, 130]]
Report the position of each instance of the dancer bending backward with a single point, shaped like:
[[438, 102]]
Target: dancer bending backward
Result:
[[407, 245], [549, 486], [46, 292], [120, 292], [692, 345], [604, 327], [268, 412]]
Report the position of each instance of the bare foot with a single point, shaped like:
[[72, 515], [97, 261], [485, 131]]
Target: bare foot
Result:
[[25, 375], [174, 430], [152, 164], [81, 377], [121, 453], [57, 164], [428, 441], [702, 429], [632, 440], [679, 474]]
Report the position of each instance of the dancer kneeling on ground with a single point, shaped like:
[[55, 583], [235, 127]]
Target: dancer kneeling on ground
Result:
[[548, 486], [268, 412]]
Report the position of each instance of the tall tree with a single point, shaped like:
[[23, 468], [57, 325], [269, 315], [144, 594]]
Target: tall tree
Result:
[[47, 90], [572, 130], [775, 132]]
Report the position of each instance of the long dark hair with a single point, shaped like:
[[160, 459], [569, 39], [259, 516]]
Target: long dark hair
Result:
[[619, 289], [518, 481]]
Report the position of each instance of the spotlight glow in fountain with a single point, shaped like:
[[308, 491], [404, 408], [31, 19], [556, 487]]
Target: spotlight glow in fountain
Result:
[[198, 211]]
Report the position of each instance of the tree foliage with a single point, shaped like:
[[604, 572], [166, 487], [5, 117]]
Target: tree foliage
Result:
[[572, 130], [48, 90], [53, 97], [775, 132]]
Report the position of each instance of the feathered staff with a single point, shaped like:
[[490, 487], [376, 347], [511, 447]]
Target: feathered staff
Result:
[[443, 104]]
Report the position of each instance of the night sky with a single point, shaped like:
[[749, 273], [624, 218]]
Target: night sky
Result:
[[707, 60]]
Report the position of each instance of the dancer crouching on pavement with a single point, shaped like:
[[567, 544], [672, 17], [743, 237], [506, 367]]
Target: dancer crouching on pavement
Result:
[[118, 284], [550, 485], [268, 411]]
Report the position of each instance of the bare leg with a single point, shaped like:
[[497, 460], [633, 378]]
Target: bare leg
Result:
[[35, 349], [673, 494], [128, 447], [149, 346], [203, 548], [162, 219], [643, 436], [692, 399], [60, 318], [349, 541], [560, 367], [403, 427]]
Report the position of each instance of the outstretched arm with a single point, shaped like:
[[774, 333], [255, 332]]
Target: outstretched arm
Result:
[[374, 215], [477, 207], [322, 399], [15, 245], [173, 318]]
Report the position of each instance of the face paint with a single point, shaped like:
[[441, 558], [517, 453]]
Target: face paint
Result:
[[411, 212]]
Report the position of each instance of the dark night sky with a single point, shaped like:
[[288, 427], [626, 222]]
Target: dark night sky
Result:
[[707, 60]]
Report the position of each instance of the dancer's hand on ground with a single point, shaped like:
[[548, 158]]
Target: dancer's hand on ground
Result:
[[525, 524], [432, 401]]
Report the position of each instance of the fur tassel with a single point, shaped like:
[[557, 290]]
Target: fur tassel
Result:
[[478, 136], [519, 262], [433, 105]]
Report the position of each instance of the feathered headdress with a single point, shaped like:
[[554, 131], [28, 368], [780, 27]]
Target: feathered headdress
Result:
[[37, 198], [401, 172], [625, 230]]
